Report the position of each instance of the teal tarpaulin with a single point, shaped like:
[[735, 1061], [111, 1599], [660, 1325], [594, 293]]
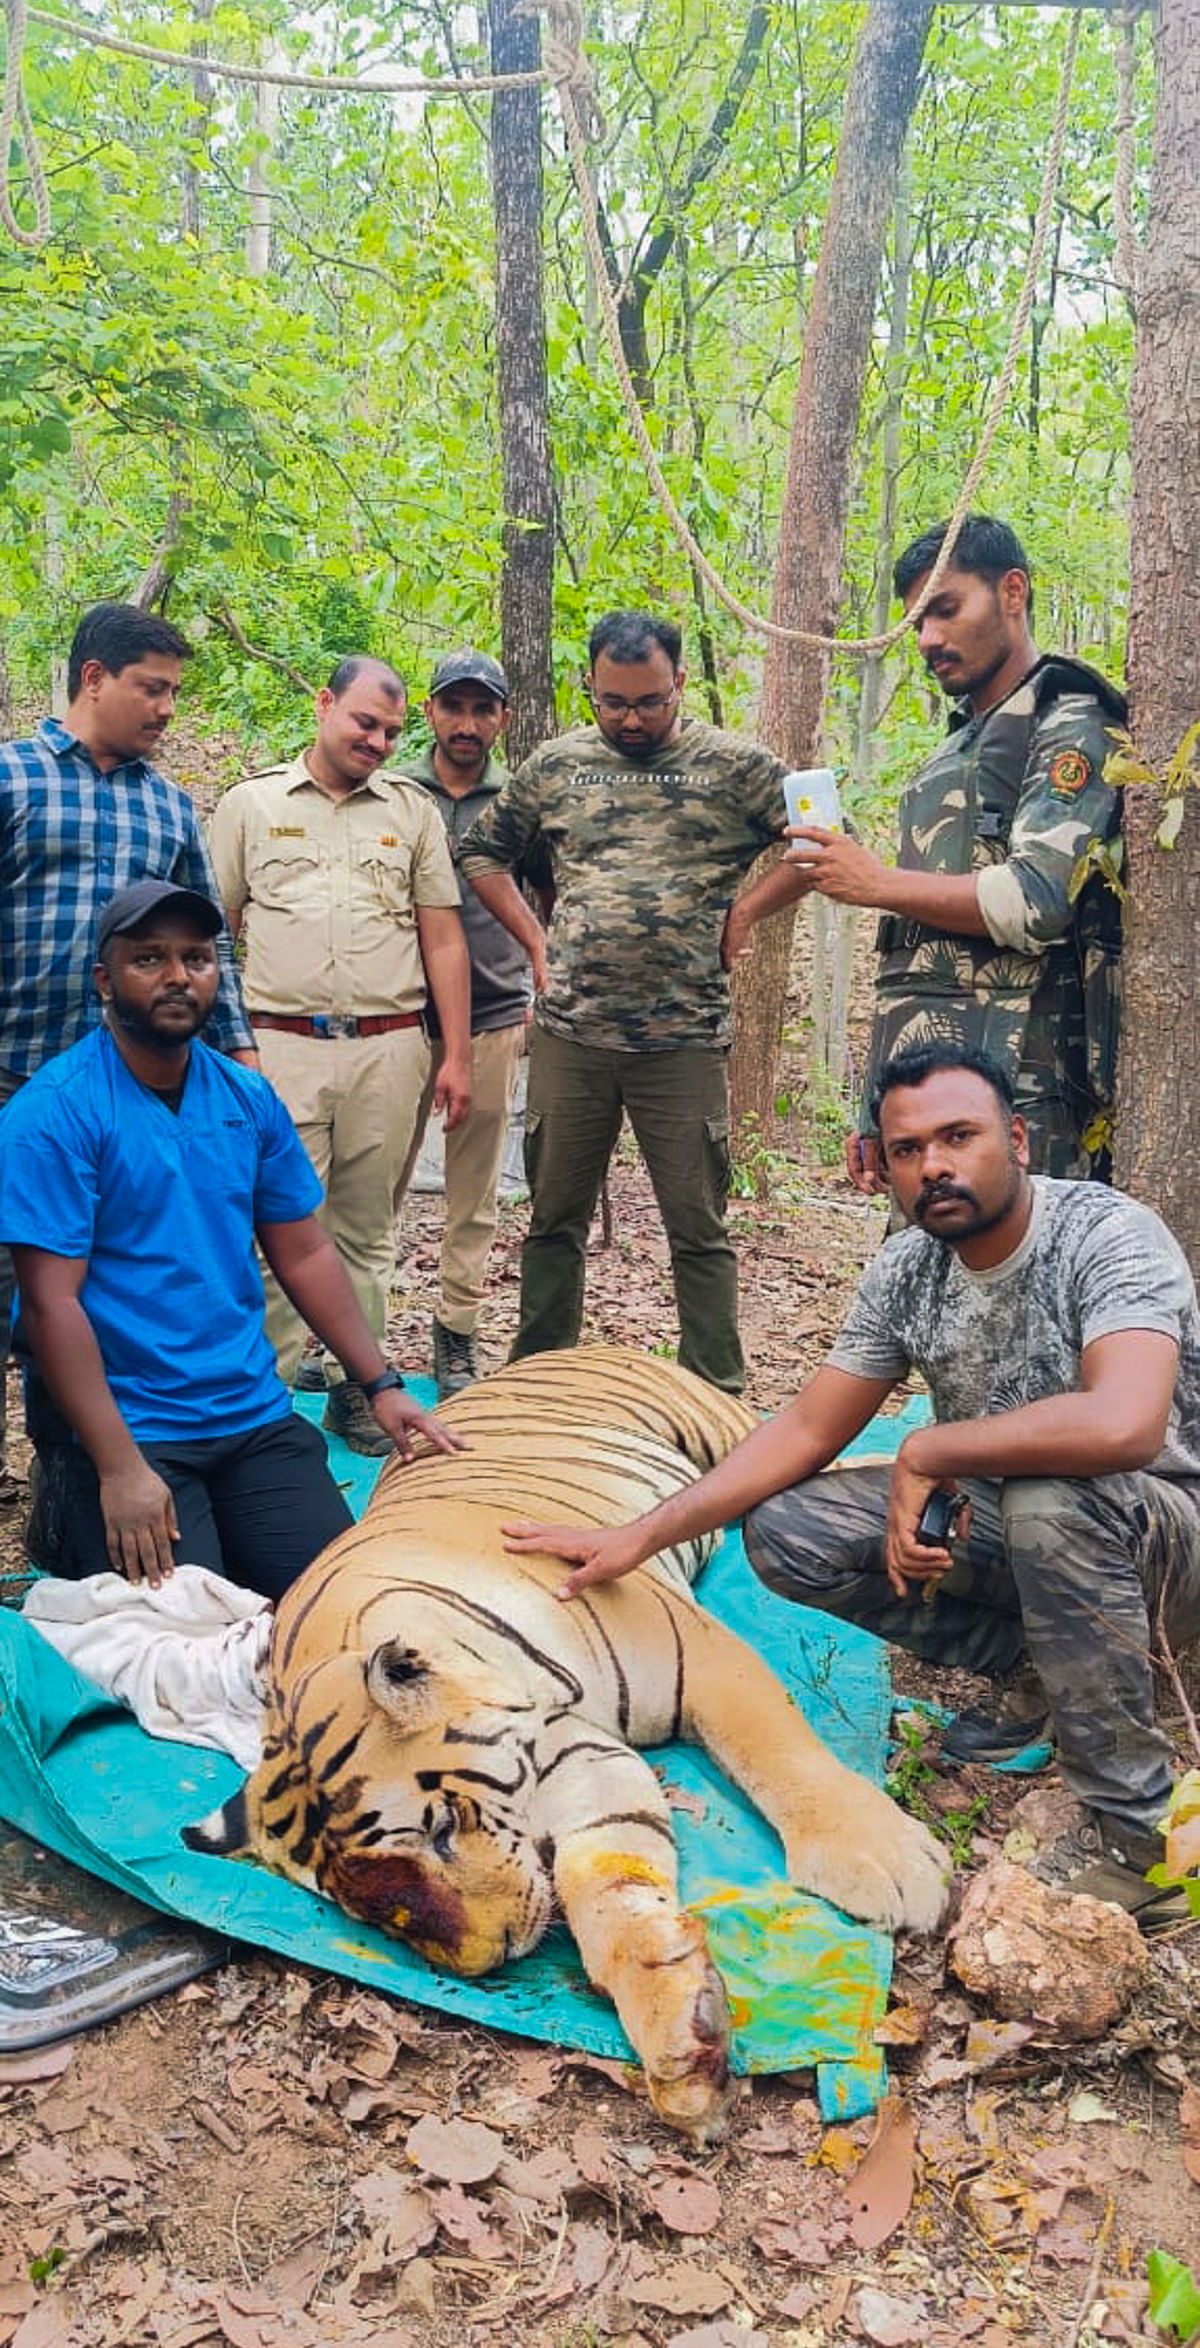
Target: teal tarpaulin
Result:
[[805, 1986]]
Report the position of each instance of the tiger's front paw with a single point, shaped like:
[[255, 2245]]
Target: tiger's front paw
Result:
[[687, 2065], [880, 1865]]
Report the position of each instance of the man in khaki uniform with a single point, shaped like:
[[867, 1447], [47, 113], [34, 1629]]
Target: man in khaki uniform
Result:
[[341, 884]]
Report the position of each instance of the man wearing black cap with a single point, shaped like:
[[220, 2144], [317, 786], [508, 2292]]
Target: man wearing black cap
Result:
[[467, 710], [136, 1172]]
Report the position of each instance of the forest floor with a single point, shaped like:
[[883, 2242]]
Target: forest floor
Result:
[[272, 2158]]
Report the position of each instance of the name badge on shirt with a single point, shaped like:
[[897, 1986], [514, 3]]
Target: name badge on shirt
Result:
[[389, 839], [289, 831]]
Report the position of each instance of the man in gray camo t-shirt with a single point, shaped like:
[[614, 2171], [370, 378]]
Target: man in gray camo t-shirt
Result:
[[1056, 1326], [651, 819]]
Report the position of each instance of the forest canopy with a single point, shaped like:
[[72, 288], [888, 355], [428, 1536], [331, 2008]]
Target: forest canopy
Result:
[[258, 349]]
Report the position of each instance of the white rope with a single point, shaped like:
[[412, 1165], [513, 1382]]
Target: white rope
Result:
[[14, 110]]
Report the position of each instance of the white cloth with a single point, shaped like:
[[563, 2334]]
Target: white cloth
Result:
[[189, 1660]]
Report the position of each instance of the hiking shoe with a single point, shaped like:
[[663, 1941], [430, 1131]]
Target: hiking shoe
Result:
[[1016, 1734], [976, 1735], [1109, 1862], [310, 1377], [455, 1362], [349, 1414]]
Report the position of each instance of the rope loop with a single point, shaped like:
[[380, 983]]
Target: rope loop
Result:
[[14, 113]]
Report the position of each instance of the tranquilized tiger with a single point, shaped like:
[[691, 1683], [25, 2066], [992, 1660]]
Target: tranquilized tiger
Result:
[[448, 1748]]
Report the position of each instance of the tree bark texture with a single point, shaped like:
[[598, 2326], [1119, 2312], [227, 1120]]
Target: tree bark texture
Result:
[[1158, 1092], [807, 586], [527, 571]]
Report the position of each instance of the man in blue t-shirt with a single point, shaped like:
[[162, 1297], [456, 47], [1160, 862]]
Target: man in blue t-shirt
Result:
[[136, 1172]]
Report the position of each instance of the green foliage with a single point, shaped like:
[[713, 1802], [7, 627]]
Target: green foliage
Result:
[[1181, 1865], [909, 1770], [1174, 2296], [322, 439], [910, 1774], [42, 2270], [1177, 775]]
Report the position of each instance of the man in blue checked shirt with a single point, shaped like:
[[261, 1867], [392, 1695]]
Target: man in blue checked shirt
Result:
[[84, 814]]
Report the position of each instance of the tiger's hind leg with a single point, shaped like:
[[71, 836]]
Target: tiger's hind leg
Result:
[[616, 1875], [843, 1839]]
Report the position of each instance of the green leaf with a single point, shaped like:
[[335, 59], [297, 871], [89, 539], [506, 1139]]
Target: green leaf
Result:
[[1170, 824], [1174, 2295]]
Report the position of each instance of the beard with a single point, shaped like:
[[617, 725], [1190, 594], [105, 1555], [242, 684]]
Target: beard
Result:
[[148, 1028], [978, 1219]]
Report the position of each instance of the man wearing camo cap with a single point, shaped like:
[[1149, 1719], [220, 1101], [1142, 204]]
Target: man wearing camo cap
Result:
[[467, 712]]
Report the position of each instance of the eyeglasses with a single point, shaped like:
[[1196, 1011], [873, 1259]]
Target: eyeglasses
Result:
[[650, 705]]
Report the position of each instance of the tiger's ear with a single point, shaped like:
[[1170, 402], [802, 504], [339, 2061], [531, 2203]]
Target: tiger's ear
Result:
[[225, 1832], [404, 1686]]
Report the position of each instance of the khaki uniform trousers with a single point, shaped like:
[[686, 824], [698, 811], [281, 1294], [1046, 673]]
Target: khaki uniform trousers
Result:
[[473, 1154], [354, 1100]]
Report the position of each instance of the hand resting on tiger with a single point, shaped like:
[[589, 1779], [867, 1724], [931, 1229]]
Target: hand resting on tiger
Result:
[[449, 1752]]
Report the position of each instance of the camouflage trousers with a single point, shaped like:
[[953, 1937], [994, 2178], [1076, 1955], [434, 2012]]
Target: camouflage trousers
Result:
[[1074, 1574]]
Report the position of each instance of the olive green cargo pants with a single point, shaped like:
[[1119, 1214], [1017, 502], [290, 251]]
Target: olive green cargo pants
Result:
[[678, 1105]]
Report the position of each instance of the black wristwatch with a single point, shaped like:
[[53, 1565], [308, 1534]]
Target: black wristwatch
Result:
[[380, 1385]]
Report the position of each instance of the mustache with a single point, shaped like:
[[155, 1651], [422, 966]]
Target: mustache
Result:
[[938, 1193]]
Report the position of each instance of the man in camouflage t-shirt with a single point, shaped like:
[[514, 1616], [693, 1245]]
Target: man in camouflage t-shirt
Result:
[[1056, 1326], [987, 935], [650, 819]]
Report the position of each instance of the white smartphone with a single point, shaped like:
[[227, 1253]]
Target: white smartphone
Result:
[[811, 796]]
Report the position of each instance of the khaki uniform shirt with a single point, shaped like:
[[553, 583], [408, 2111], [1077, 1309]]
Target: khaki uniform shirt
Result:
[[328, 889]]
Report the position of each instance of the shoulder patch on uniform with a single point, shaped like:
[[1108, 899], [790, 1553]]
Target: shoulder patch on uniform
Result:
[[1069, 771]]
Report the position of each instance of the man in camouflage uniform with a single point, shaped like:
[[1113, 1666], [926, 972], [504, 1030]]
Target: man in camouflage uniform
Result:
[[650, 819], [986, 935], [1057, 1328]]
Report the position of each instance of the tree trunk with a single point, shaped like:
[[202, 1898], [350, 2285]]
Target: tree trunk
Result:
[[1160, 1049], [198, 118], [871, 689], [879, 105], [258, 184], [527, 573]]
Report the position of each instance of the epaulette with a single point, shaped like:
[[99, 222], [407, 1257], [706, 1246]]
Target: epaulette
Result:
[[1060, 672]]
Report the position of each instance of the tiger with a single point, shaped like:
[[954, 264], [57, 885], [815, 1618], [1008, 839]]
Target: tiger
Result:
[[450, 1751]]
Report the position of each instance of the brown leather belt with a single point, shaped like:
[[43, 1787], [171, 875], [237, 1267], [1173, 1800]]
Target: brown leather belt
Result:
[[330, 1025]]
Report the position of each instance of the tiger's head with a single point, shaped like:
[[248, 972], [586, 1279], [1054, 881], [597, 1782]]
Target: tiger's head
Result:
[[403, 1792]]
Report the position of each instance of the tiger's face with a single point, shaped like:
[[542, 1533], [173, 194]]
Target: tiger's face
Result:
[[439, 1850]]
